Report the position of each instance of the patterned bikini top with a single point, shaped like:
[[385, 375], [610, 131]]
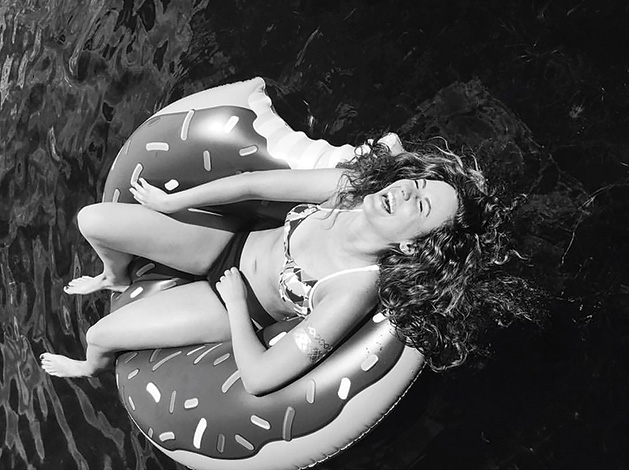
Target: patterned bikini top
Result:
[[294, 289]]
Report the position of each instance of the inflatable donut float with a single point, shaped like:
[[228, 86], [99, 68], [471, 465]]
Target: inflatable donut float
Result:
[[212, 134], [189, 401]]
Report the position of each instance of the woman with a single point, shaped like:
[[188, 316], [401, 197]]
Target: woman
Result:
[[403, 232]]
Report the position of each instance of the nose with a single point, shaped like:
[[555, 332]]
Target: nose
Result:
[[408, 189]]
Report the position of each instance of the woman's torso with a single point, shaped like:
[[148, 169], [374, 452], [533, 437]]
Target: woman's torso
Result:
[[261, 262], [264, 259]]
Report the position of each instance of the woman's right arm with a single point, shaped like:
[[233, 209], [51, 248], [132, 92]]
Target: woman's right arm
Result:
[[270, 185]]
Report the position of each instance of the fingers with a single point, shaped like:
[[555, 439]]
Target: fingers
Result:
[[230, 273], [231, 287], [145, 184], [229, 276], [139, 188], [137, 184], [392, 140]]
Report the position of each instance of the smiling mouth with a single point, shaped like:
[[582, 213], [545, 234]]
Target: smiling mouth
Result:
[[386, 203]]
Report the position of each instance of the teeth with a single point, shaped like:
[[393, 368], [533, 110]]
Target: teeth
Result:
[[386, 203]]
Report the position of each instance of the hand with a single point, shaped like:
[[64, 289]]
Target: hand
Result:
[[151, 197], [231, 287], [392, 140]]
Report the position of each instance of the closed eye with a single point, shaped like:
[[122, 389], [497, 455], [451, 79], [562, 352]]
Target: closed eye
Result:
[[417, 183], [425, 204]]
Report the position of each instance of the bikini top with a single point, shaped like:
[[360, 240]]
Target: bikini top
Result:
[[294, 289]]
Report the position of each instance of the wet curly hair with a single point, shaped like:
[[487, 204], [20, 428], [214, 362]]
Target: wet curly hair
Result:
[[440, 297]]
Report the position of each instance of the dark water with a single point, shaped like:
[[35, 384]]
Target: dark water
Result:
[[538, 89]]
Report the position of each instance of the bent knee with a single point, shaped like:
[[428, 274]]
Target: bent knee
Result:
[[92, 220], [93, 335], [101, 335], [105, 221]]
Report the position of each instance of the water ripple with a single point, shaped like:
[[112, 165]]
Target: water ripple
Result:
[[75, 79]]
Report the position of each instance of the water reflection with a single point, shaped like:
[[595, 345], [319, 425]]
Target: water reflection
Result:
[[77, 77]]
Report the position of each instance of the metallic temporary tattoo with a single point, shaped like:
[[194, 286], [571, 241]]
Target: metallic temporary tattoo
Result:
[[311, 343]]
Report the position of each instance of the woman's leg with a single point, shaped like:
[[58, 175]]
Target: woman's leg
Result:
[[179, 316], [119, 231]]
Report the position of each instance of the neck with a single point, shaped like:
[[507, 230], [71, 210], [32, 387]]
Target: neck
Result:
[[351, 233]]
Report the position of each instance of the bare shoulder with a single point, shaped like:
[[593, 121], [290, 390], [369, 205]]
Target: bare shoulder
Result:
[[357, 288]]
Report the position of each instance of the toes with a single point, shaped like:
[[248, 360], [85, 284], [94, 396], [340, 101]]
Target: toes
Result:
[[48, 365], [52, 372], [77, 280], [46, 360]]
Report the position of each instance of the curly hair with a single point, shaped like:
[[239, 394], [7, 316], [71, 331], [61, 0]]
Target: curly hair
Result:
[[442, 295]]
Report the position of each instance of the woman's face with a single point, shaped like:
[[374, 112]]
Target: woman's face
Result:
[[410, 208]]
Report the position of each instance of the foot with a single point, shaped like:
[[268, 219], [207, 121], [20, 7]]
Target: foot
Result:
[[87, 284], [62, 366]]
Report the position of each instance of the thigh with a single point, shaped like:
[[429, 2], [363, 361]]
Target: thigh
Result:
[[134, 229], [179, 316]]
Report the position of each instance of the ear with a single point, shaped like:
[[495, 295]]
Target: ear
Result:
[[408, 248]]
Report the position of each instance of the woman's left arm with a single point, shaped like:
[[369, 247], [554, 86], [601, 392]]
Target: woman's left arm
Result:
[[335, 315]]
